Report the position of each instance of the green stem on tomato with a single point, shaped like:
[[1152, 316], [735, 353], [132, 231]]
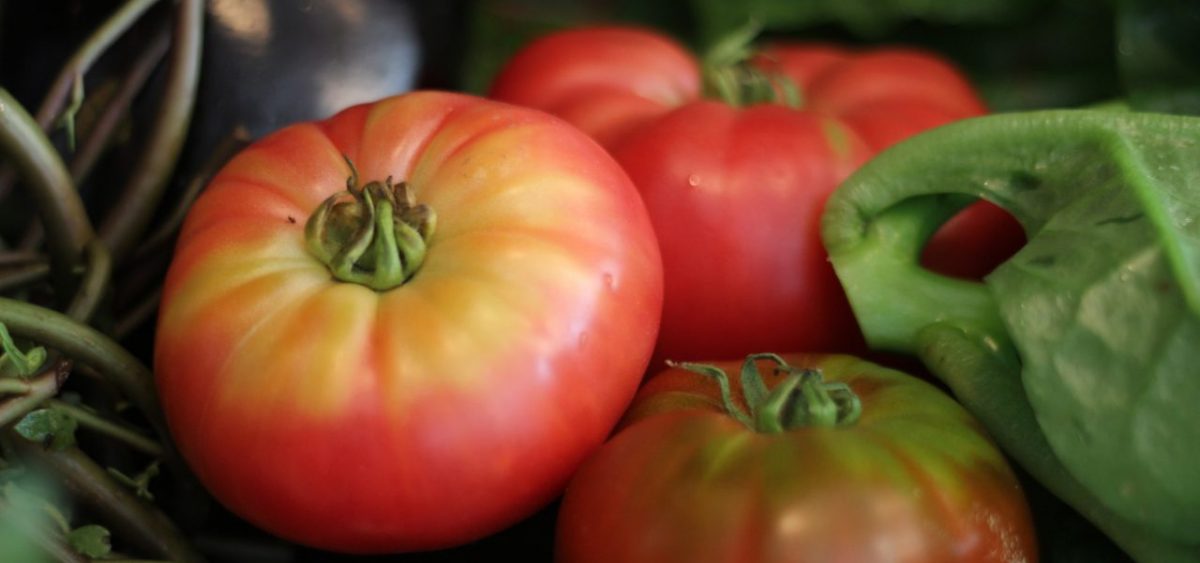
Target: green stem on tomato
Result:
[[802, 399], [141, 194], [729, 76], [377, 237], [62, 212], [106, 427], [718, 376]]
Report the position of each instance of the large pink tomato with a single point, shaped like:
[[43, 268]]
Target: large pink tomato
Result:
[[404, 327]]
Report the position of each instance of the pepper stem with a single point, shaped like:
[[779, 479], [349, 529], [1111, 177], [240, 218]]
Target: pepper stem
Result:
[[802, 399], [375, 235]]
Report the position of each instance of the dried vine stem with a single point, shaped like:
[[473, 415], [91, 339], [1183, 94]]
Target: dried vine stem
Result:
[[123, 512], [67, 225], [135, 205], [89, 346], [102, 132], [83, 59]]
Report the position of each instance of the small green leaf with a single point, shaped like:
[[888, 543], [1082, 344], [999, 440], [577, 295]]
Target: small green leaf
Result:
[[24, 364], [91, 541], [48, 426], [140, 483]]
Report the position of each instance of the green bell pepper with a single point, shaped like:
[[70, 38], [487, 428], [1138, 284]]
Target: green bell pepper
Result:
[[1081, 353]]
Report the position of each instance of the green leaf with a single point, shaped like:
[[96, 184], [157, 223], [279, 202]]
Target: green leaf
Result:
[[12, 359], [91, 541], [48, 426], [1102, 306]]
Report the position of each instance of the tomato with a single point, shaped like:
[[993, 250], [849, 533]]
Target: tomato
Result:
[[842, 460], [735, 193], [358, 417]]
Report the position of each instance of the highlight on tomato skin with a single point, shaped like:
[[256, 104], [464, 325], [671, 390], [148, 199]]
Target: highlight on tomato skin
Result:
[[893, 470], [377, 330]]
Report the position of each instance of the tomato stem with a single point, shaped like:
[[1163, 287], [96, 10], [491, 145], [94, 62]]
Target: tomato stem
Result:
[[722, 379], [377, 237], [729, 75], [802, 399]]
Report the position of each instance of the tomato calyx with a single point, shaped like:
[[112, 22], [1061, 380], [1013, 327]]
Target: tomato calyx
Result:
[[729, 76], [802, 399], [374, 235]]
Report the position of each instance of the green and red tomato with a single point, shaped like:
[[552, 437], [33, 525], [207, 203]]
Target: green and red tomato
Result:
[[806, 458]]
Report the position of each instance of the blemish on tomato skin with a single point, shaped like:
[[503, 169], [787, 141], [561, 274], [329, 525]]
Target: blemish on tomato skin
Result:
[[838, 136]]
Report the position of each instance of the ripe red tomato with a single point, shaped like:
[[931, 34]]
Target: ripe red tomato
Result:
[[912, 480], [736, 193], [369, 419]]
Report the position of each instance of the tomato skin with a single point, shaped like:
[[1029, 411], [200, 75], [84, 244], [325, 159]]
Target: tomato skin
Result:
[[437, 412], [735, 193], [587, 76], [914, 480], [736, 198]]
